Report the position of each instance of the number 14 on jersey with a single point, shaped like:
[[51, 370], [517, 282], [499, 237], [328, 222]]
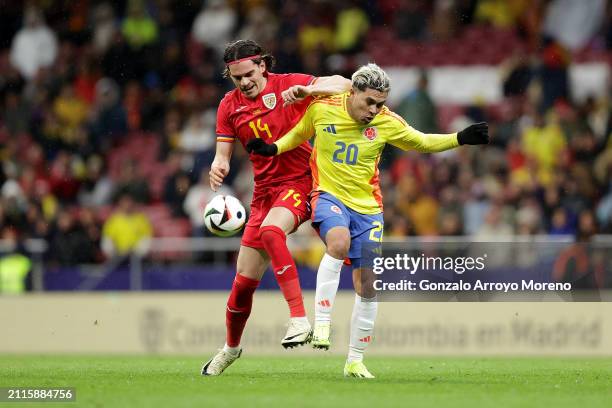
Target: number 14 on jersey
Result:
[[258, 126]]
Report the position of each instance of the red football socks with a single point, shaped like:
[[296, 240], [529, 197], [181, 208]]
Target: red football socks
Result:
[[239, 308], [275, 242]]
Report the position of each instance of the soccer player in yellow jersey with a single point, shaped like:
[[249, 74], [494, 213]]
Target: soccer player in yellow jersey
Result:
[[351, 131]]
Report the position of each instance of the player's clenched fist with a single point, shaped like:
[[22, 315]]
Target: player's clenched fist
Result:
[[258, 146], [295, 93], [218, 171]]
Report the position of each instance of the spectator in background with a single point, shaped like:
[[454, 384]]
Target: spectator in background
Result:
[[399, 226], [85, 81], [108, 120], [132, 183], [410, 20], [517, 74], [127, 230], [175, 191], [316, 34], [104, 27], [197, 197], [494, 225], [214, 25], [475, 201], [170, 29], [198, 138], [528, 218], [604, 208], [14, 266], [69, 242], [34, 46], [553, 73], [261, 25], [32, 180], [132, 104], [501, 13], [91, 226], [139, 29], [16, 113], [560, 223], [584, 146], [288, 53], [544, 143], [574, 23], [352, 24], [450, 213], [70, 112], [587, 226], [418, 109], [170, 132], [550, 202], [443, 24], [507, 129], [121, 63], [14, 200], [172, 67], [573, 199], [63, 178], [597, 115], [420, 208], [97, 186]]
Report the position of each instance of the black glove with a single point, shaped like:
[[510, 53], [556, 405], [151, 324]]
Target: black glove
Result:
[[475, 134], [258, 146]]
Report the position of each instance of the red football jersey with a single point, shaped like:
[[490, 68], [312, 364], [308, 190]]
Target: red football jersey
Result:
[[265, 117]]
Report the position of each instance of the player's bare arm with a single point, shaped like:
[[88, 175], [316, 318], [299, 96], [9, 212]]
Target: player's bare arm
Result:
[[221, 164], [329, 85]]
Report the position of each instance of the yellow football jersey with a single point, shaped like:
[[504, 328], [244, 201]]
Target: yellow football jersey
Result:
[[345, 157]]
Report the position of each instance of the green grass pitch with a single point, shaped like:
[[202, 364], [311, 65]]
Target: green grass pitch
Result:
[[295, 381]]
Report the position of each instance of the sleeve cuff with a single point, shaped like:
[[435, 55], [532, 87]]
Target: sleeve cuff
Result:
[[226, 138]]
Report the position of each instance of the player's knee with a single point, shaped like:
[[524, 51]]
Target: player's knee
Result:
[[251, 263], [251, 270], [337, 250], [338, 245], [248, 271]]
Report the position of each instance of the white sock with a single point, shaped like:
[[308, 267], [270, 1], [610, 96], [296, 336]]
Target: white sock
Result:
[[328, 278], [362, 327], [232, 350]]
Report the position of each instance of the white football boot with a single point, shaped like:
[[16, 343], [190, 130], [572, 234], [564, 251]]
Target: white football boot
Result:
[[220, 362], [299, 333]]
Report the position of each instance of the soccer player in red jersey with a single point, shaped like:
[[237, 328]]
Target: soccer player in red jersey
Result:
[[255, 109]]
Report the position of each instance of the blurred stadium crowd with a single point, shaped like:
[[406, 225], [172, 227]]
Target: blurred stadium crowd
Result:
[[107, 120]]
